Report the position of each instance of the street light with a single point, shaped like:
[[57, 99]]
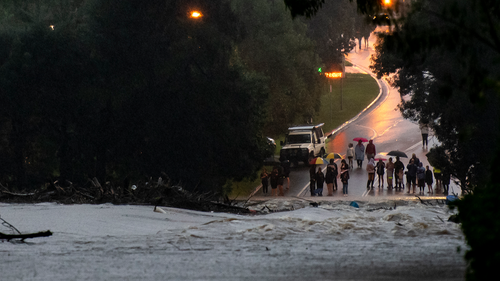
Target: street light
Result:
[[195, 15]]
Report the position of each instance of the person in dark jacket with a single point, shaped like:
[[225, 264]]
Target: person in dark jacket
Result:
[[331, 177], [274, 181], [411, 175], [428, 178], [421, 177], [398, 173], [264, 177], [344, 176], [312, 178], [320, 181], [286, 171]]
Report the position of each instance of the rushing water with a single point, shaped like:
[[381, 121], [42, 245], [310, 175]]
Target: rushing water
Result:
[[333, 241]]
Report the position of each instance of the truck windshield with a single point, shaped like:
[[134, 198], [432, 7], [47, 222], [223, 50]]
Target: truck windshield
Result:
[[306, 138]]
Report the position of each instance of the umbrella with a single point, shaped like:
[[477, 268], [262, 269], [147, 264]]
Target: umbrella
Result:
[[360, 139], [380, 157], [397, 153], [334, 156], [318, 161]]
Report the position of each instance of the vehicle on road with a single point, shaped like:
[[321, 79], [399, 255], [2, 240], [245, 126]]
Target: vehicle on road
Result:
[[303, 143]]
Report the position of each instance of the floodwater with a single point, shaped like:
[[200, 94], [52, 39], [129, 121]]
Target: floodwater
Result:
[[333, 241]]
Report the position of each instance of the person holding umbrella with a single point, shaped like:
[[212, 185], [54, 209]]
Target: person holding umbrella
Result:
[[359, 152]]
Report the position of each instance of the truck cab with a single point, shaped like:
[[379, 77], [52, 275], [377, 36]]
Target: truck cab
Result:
[[303, 143]]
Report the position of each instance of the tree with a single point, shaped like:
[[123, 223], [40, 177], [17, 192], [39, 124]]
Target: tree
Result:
[[277, 48]]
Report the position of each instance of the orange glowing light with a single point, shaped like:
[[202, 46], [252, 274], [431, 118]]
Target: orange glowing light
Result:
[[333, 74], [387, 2], [196, 14]]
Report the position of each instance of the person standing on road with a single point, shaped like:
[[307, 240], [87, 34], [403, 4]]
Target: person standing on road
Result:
[[320, 181], [398, 172], [437, 176], [331, 177], [390, 172], [424, 130], [416, 161], [428, 178], [380, 168], [411, 175], [370, 168], [370, 150], [344, 176], [281, 180], [359, 152], [264, 177], [350, 154], [274, 182], [286, 171], [421, 178], [445, 181], [312, 178]]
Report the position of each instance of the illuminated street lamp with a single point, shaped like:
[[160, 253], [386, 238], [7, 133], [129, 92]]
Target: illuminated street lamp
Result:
[[387, 2], [195, 15]]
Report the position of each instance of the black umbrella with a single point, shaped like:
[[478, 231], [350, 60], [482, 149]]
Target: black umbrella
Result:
[[397, 153]]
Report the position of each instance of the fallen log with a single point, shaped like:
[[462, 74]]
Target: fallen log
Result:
[[25, 236]]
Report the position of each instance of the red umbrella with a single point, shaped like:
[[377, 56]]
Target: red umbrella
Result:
[[380, 157], [360, 139]]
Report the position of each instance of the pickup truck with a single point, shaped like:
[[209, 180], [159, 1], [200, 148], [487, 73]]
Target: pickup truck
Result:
[[303, 143]]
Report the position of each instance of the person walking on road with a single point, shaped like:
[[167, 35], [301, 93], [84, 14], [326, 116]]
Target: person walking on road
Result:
[[312, 178], [428, 178], [411, 175], [437, 177], [445, 181], [264, 178], [370, 168], [424, 130], [398, 172], [380, 168], [370, 150], [344, 176], [320, 181], [359, 152], [350, 154], [390, 172]]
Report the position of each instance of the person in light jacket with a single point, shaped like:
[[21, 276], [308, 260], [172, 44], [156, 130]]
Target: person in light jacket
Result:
[[370, 168], [359, 152], [350, 154]]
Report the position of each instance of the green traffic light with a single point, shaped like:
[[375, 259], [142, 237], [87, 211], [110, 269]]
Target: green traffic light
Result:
[[319, 69]]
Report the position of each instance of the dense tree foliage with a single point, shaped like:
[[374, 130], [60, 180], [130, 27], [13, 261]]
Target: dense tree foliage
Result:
[[446, 59], [131, 89]]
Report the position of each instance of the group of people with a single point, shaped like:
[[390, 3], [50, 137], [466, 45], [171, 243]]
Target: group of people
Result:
[[276, 178], [318, 179], [416, 174]]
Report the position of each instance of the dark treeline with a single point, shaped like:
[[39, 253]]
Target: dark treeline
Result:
[[124, 90]]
